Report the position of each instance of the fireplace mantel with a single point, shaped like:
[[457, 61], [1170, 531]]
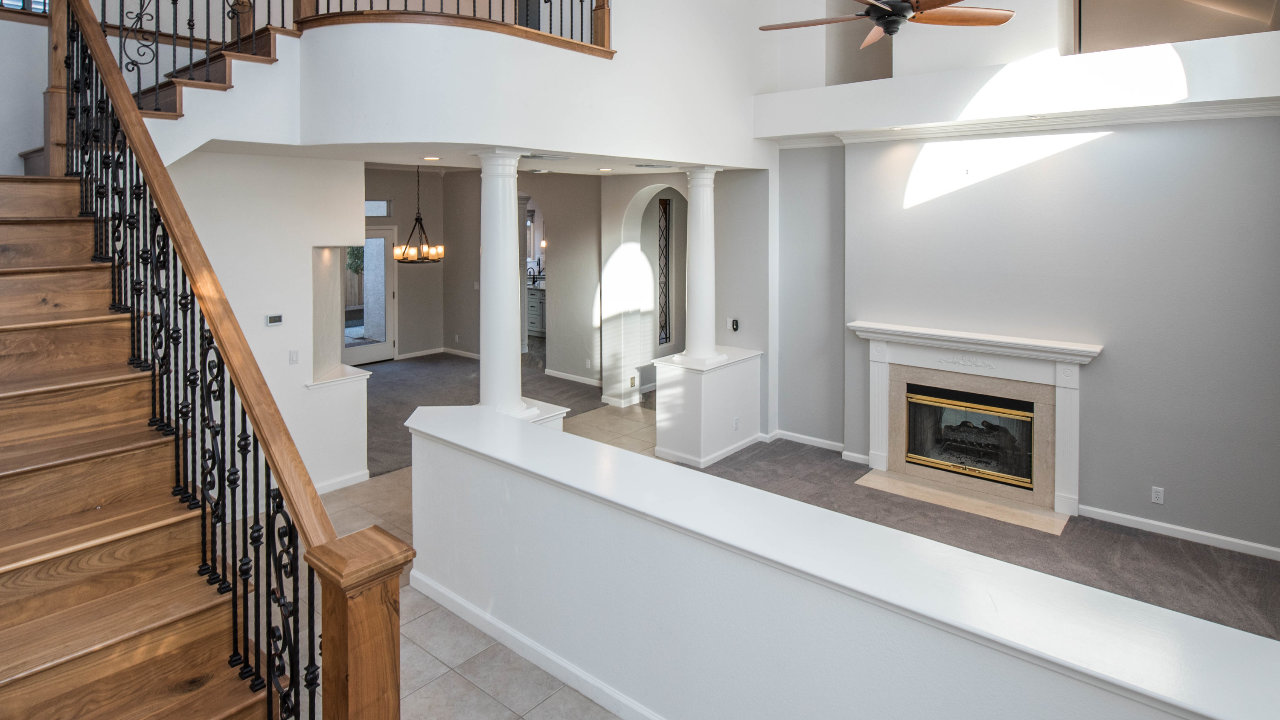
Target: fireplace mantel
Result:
[[1047, 362]]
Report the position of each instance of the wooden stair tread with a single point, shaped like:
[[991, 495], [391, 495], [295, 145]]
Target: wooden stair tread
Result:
[[45, 220], [38, 179], [223, 697], [34, 321], [37, 270], [117, 372], [77, 631], [36, 543], [99, 443]]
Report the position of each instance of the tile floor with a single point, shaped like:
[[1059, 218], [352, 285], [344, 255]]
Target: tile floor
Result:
[[449, 670], [631, 428]]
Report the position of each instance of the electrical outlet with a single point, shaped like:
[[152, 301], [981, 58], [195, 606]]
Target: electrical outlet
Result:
[[1157, 495], [457, 338], [633, 381], [475, 285], [737, 423], [728, 323], [588, 363], [293, 357]]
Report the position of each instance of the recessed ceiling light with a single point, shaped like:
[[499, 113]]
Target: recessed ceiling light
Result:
[[895, 129], [431, 159], [606, 169], [539, 172], [653, 165]]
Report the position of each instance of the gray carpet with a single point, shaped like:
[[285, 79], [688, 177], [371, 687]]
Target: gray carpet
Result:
[[1230, 588], [399, 387]]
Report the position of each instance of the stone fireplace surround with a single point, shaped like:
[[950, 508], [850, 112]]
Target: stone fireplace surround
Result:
[[1046, 372]]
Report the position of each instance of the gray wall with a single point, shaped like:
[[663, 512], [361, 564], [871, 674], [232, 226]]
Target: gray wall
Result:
[[421, 287], [462, 261], [1158, 242], [24, 50], [811, 335], [569, 213], [742, 267]]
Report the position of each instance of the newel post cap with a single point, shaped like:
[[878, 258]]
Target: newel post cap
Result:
[[361, 558]]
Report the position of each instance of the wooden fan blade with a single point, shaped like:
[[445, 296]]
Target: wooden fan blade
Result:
[[877, 3], [926, 5], [876, 33], [812, 23], [963, 16]]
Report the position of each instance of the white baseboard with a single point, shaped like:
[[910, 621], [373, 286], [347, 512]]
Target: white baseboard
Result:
[[1184, 533], [340, 482], [611, 400], [855, 457], [462, 353], [574, 378], [597, 690], [419, 353], [806, 440], [713, 458], [648, 388]]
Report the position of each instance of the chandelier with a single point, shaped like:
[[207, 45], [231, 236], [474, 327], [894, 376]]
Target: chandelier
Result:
[[421, 251]]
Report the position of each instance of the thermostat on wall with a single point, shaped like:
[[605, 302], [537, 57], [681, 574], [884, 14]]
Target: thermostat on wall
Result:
[[273, 320]]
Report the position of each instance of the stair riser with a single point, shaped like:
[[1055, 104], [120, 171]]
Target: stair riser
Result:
[[55, 295], [133, 678], [56, 353], [59, 583], [217, 72], [48, 417], [25, 245], [166, 101], [20, 198], [45, 495]]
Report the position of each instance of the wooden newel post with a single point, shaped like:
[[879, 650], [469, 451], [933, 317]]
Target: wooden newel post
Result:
[[360, 595], [55, 97], [600, 32]]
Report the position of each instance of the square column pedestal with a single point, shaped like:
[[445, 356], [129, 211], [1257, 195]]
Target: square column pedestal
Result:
[[707, 410]]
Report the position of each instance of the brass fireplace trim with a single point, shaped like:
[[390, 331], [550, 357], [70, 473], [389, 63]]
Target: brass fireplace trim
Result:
[[961, 468], [989, 409], [1042, 397], [967, 470]]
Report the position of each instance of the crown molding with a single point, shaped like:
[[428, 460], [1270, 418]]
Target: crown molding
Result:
[[808, 141], [1174, 112]]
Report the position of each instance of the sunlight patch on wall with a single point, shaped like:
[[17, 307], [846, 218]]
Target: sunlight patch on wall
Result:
[[945, 167], [627, 281], [1045, 83]]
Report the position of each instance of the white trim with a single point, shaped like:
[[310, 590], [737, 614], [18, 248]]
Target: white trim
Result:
[[647, 388], [1052, 350], [462, 353], [340, 482], [611, 400], [419, 353], [575, 378], [1174, 112], [340, 375], [855, 457], [714, 457], [594, 688], [1184, 533], [802, 142], [806, 440]]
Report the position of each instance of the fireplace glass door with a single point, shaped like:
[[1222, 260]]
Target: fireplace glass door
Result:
[[971, 434]]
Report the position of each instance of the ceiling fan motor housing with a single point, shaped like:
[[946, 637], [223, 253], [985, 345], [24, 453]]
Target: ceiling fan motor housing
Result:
[[891, 21]]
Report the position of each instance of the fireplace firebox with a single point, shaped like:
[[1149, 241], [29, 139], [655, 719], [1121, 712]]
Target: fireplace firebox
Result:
[[971, 434]]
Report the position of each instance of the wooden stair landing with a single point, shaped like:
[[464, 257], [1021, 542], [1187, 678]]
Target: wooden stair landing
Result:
[[164, 101]]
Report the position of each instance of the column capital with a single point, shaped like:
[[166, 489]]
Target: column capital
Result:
[[706, 174], [499, 161]]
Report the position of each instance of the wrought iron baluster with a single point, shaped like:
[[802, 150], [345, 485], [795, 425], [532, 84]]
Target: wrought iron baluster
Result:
[[233, 485], [312, 672], [244, 444], [260, 587]]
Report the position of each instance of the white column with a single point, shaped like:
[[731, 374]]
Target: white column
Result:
[[700, 276], [500, 299]]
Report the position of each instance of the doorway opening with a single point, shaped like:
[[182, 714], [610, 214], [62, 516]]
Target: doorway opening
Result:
[[368, 294]]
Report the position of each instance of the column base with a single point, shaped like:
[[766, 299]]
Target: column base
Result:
[[544, 413], [707, 408]]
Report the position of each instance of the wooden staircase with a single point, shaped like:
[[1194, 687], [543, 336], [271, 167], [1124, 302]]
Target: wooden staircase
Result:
[[102, 612]]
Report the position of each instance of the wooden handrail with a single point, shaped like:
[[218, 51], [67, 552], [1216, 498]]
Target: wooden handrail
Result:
[[300, 496]]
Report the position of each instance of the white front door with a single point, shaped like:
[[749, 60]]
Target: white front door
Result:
[[368, 291]]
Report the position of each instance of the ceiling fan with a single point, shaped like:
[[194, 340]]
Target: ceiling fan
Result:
[[888, 16]]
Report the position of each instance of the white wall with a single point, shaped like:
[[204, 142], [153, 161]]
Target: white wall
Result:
[[420, 321], [687, 97], [24, 49], [1156, 241], [259, 219], [811, 294]]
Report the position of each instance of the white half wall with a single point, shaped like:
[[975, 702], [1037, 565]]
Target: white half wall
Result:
[[665, 593], [259, 219]]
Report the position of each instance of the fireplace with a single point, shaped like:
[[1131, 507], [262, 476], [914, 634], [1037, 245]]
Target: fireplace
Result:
[[1029, 388], [983, 436]]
